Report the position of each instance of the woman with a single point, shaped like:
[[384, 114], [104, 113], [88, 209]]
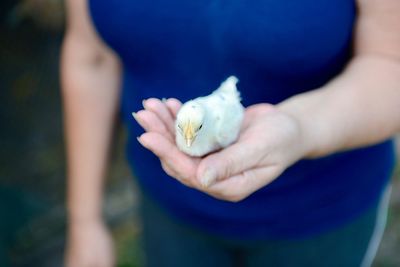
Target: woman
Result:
[[304, 184]]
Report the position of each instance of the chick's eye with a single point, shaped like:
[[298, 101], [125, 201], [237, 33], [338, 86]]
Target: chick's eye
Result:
[[200, 127]]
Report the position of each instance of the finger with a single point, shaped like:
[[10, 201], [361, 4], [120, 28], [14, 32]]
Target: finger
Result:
[[170, 171], [160, 109], [173, 105], [238, 187], [181, 164], [151, 123], [230, 161]]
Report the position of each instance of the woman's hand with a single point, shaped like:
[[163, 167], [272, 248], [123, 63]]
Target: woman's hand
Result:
[[269, 142], [89, 245]]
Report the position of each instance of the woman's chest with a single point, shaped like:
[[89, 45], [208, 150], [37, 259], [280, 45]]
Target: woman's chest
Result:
[[273, 35]]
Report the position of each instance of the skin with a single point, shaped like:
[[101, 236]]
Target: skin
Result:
[[90, 88], [357, 108]]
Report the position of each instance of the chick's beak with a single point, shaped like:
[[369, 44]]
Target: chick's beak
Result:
[[189, 142], [189, 134]]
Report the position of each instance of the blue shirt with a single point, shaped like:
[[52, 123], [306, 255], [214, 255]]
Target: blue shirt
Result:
[[277, 49]]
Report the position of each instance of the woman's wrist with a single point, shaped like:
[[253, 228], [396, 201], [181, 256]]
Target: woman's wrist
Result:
[[307, 132], [84, 216]]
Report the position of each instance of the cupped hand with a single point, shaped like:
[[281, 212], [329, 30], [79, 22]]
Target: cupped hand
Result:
[[269, 141], [89, 245]]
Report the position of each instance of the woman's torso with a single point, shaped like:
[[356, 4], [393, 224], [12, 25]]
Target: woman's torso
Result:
[[277, 49]]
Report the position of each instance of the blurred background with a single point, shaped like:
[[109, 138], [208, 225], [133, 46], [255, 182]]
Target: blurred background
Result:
[[32, 161]]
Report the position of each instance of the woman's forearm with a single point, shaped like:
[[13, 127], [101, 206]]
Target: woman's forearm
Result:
[[362, 105], [358, 108], [90, 83]]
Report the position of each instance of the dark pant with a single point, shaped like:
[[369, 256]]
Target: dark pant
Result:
[[169, 243]]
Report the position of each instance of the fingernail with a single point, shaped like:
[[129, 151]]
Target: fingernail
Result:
[[140, 141], [143, 103], [208, 177], [134, 114]]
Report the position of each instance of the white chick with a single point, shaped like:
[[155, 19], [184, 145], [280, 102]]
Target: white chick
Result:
[[208, 123]]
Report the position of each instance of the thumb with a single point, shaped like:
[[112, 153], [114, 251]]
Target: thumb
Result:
[[230, 161]]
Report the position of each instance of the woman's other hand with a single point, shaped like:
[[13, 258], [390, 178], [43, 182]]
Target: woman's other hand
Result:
[[89, 245]]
